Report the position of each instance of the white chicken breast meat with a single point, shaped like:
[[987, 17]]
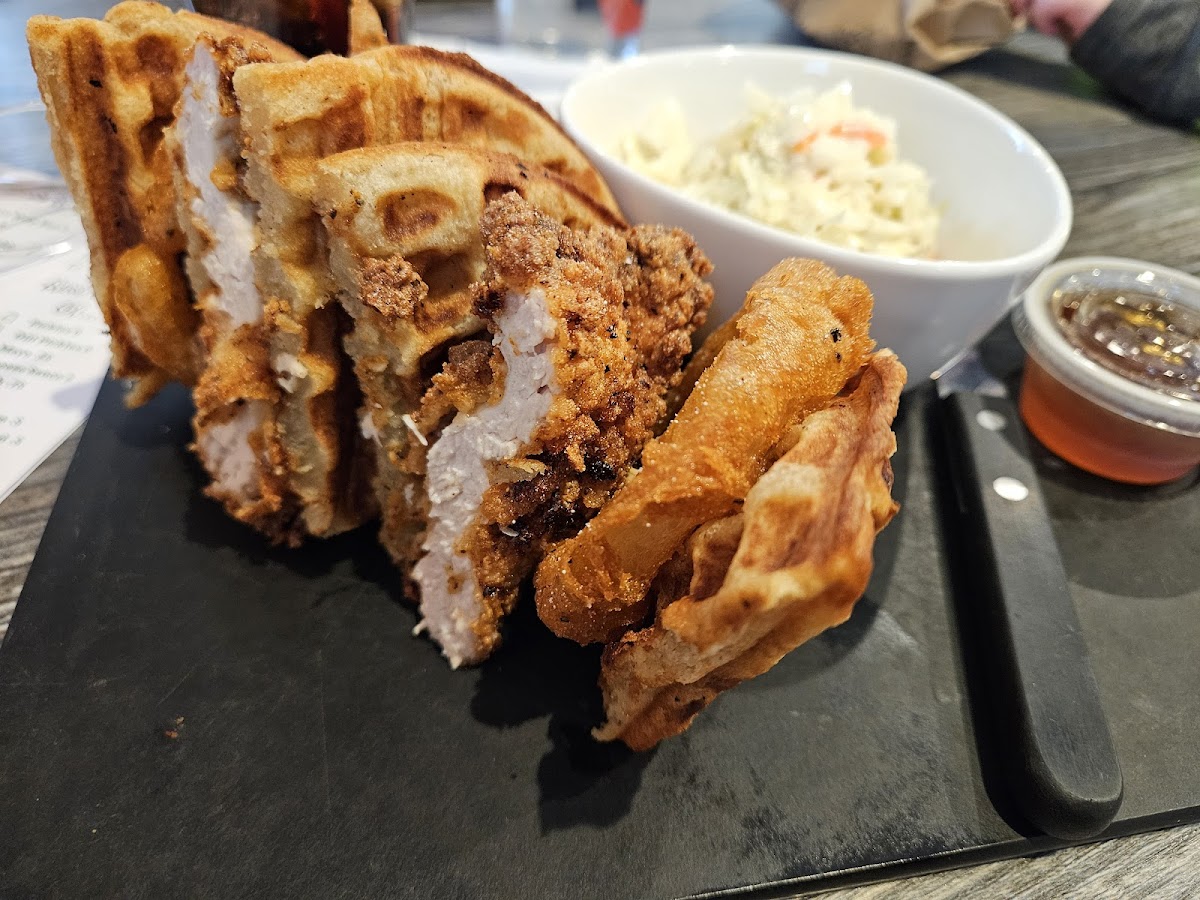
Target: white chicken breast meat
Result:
[[235, 395]]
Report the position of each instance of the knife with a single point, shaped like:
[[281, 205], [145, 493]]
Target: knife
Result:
[[1056, 752]]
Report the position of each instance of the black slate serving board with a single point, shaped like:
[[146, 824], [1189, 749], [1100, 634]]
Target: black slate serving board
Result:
[[185, 711]]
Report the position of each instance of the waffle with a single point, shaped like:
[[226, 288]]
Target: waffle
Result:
[[110, 89], [749, 588], [366, 28], [294, 115]]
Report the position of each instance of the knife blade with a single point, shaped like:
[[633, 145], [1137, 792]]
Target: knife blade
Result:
[[1056, 751]]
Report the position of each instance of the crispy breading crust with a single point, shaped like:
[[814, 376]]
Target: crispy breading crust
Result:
[[110, 89], [701, 360], [239, 373], [801, 335], [803, 559], [626, 304]]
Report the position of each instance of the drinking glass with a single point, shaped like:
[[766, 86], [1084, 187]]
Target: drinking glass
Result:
[[311, 26], [623, 19], [571, 27]]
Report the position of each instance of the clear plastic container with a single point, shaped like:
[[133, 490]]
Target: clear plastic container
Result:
[[1093, 415]]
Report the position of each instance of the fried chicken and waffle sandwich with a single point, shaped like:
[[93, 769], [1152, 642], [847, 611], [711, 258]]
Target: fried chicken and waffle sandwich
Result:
[[295, 115], [502, 412], [236, 392], [259, 335], [398, 288]]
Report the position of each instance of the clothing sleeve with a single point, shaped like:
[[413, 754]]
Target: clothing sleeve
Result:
[[1148, 51]]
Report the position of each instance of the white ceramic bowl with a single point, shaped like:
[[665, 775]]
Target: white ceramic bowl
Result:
[[1006, 208]]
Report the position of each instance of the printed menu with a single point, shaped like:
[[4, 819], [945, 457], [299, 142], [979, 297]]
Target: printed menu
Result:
[[53, 343]]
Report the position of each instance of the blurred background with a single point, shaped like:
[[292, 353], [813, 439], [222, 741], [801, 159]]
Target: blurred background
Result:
[[567, 27]]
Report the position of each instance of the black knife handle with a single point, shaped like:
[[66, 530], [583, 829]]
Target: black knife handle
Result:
[[1062, 767]]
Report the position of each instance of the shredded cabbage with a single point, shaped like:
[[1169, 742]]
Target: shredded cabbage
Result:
[[810, 163]]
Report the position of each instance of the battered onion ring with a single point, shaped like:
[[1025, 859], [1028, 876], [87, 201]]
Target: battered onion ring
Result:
[[801, 335], [803, 559]]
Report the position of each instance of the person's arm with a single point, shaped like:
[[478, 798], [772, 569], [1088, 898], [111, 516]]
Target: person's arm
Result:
[[1067, 19], [1148, 51]]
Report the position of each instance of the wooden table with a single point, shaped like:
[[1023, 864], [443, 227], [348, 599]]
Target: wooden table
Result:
[[1136, 187]]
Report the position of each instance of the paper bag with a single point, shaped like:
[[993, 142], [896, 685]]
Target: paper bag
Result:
[[924, 34]]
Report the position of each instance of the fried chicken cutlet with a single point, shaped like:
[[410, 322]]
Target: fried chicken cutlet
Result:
[[588, 331], [111, 88], [236, 394]]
